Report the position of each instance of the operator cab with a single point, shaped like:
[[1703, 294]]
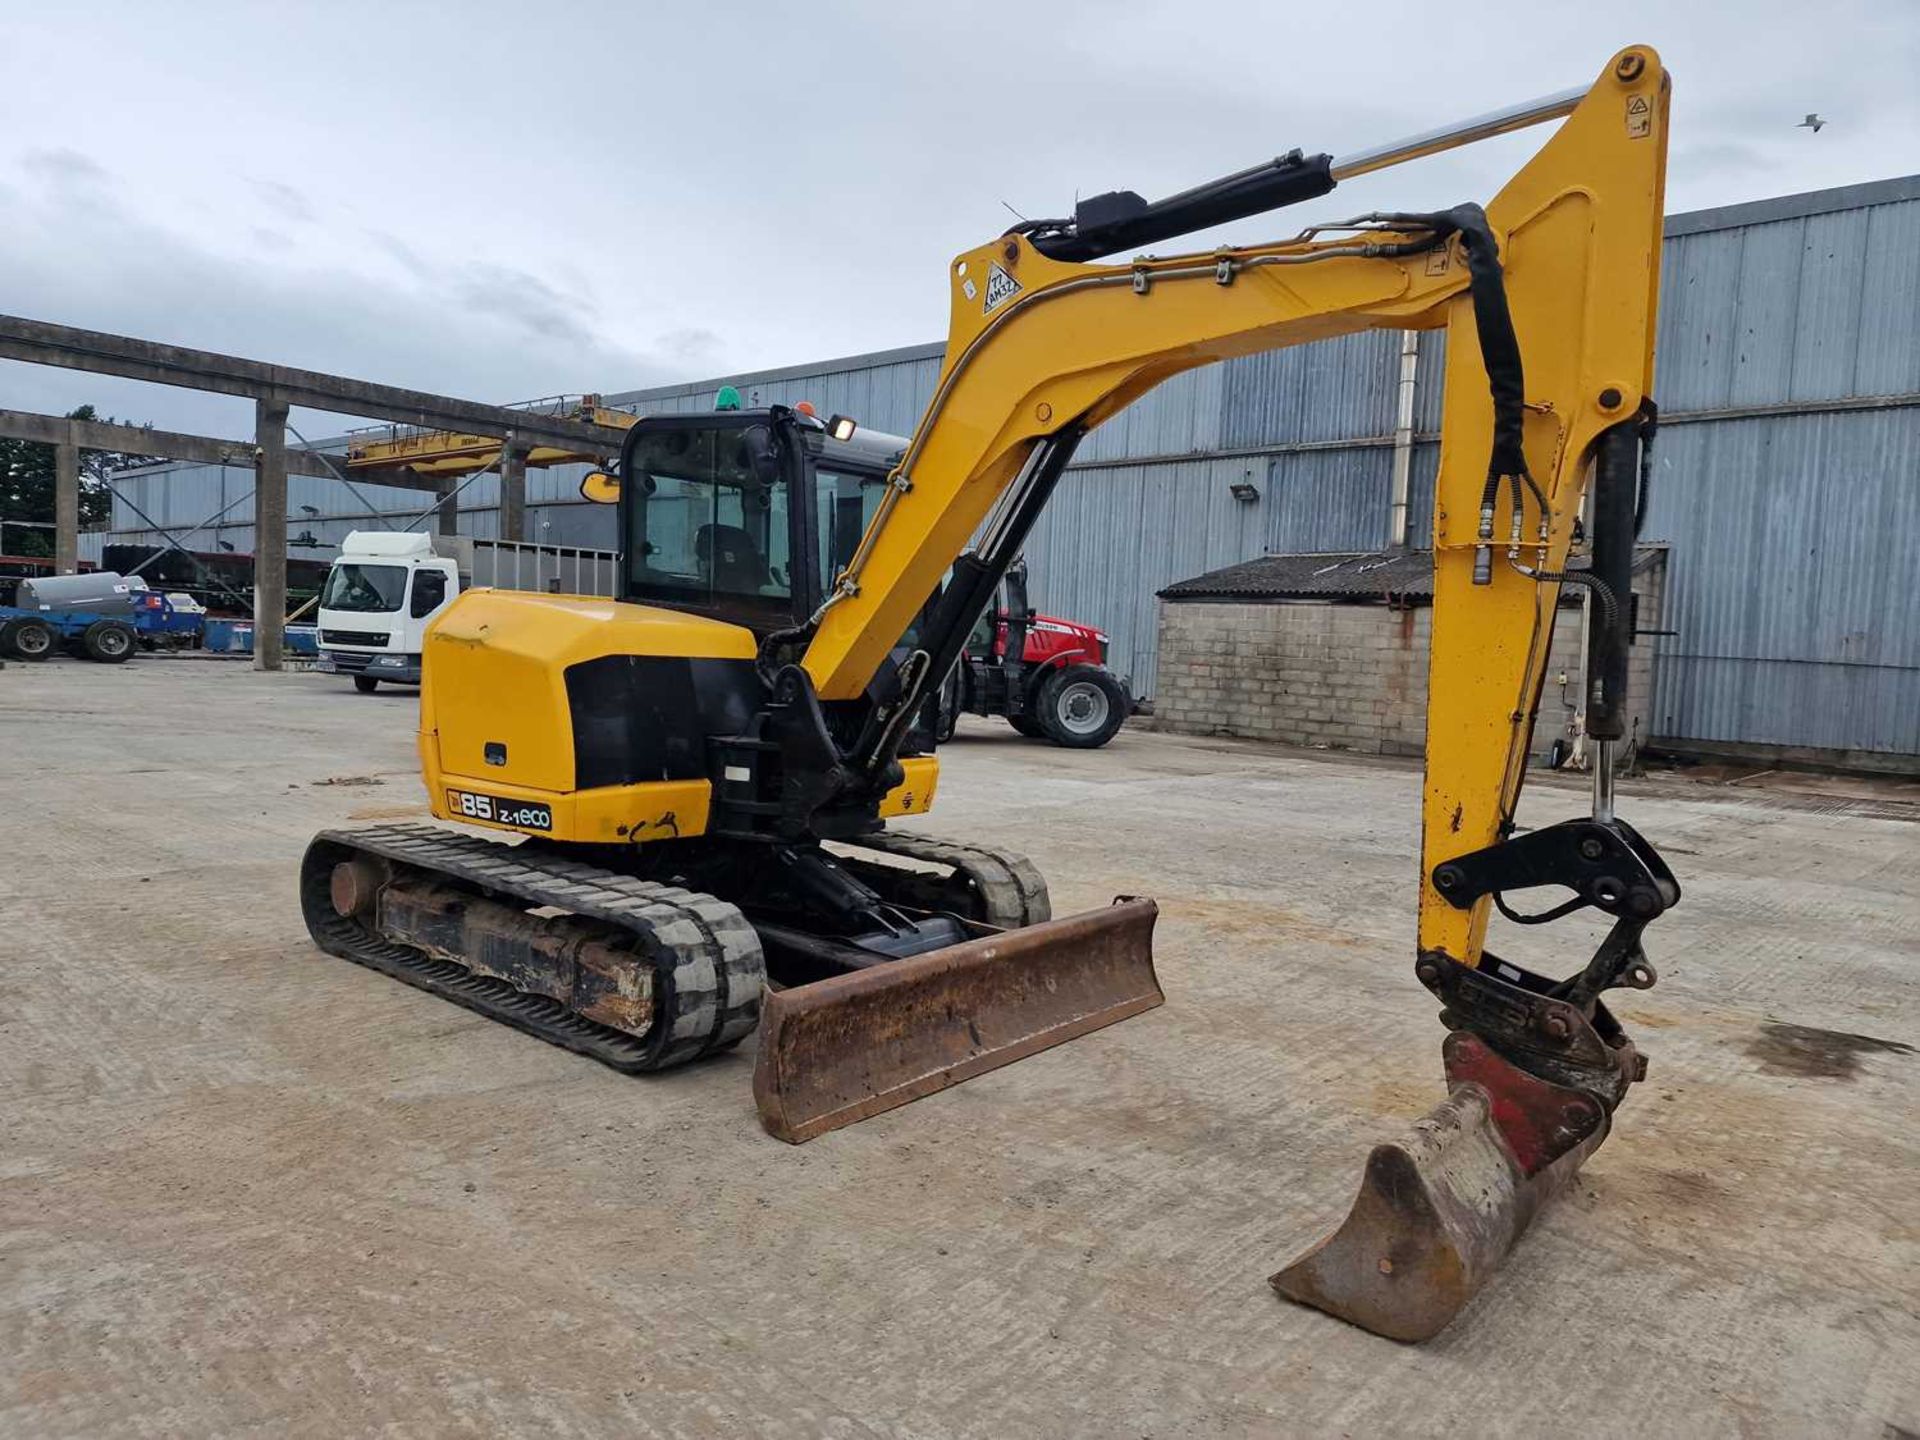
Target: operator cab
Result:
[[745, 515]]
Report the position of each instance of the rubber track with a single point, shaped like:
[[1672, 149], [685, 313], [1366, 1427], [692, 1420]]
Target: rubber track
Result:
[[709, 971], [1014, 892]]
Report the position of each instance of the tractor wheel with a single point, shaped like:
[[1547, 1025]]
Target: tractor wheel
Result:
[[1028, 726], [365, 684], [110, 642], [1082, 707], [30, 639]]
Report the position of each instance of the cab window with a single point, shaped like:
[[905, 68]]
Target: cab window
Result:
[[844, 505], [429, 592], [709, 519], [369, 589]]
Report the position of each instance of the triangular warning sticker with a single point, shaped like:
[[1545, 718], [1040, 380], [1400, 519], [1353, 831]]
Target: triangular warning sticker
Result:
[[1001, 287], [1639, 118]]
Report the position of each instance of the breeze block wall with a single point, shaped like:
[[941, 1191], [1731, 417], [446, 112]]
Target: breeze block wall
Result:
[[1348, 675]]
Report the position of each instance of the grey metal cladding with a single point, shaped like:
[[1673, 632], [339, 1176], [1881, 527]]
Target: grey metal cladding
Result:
[[1795, 533]]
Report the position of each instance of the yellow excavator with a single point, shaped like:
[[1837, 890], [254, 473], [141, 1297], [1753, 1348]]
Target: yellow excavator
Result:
[[699, 773]]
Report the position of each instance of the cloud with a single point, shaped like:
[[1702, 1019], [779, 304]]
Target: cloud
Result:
[[399, 251], [1720, 158], [63, 166], [485, 332], [694, 345], [284, 200], [703, 217], [523, 300]]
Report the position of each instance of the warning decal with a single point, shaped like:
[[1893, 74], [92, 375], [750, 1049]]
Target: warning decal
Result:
[[1001, 287], [1639, 118]]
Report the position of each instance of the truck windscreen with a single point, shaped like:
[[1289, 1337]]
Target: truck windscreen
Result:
[[365, 588]]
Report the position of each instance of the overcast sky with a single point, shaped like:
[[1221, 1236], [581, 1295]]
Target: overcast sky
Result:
[[502, 201]]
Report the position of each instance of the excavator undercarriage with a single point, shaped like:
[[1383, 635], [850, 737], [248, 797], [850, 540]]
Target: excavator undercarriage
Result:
[[962, 970]]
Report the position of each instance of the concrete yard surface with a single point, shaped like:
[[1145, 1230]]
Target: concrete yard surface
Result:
[[249, 1189]]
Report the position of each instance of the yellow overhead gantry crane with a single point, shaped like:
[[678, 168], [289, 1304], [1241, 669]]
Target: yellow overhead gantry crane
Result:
[[672, 761], [454, 453]]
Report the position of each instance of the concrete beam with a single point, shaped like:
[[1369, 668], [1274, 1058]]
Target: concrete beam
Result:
[[39, 343], [171, 445], [269, 532], [66, 509], [513, 490]]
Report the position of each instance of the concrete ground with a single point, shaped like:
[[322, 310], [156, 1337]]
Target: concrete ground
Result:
[[245, 1188]]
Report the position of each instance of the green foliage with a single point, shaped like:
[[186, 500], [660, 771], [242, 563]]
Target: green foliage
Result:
[[26, 487]]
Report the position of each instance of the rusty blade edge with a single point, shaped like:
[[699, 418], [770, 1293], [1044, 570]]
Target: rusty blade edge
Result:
[[932, 1082], [774, 1079]]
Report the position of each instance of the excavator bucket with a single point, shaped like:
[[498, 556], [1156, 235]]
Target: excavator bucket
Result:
[[842, 1049], [1438, 1211]]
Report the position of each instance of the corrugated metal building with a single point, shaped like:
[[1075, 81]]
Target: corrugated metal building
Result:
[[1787, 478]]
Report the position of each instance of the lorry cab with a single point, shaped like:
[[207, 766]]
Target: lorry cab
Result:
[[377, 601]]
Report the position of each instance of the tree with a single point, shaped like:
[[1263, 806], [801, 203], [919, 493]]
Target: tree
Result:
[[26, 486]]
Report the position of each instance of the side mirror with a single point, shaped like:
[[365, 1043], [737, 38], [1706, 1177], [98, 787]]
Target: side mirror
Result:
[[601, 488], [762, 456]]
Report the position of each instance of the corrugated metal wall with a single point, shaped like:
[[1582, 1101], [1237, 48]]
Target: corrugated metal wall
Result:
[[1787, 479]]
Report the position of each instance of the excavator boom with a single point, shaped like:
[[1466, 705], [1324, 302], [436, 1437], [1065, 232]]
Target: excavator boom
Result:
[[1548, 300]]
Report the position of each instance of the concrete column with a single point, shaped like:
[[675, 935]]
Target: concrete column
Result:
[[447, 518], [513, 490], [66, 508], [269, 531]]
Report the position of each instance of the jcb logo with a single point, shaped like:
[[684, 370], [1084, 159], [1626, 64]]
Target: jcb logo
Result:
[[474, 807]]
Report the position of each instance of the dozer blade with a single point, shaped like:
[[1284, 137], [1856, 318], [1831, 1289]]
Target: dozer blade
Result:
[[1439, 1211], [842, 1049]]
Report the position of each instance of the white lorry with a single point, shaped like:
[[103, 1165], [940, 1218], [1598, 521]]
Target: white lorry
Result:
[[388, 584]]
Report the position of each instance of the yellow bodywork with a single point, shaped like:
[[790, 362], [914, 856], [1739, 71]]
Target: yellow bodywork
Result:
[[1579, 230], [495, 666]]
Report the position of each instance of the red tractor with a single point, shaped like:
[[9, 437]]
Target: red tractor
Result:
[[1058, 688]]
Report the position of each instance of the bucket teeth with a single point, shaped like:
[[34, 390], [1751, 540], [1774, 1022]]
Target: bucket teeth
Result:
[[846, 1048], [1438, 1211]]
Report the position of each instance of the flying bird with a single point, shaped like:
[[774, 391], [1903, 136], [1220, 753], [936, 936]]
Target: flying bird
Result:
[[1813, 122]]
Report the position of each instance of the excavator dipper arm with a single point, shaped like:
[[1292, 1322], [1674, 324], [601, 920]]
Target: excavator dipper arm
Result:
[[1548, 301]]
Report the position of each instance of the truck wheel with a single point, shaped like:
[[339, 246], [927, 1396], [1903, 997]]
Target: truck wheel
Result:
[[1082, 707], [30, 639], [365, 684], [109, 641]]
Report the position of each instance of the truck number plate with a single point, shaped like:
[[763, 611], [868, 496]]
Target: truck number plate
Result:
[[502, 811]]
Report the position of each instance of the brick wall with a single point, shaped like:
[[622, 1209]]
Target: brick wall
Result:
[[1346, 676]]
